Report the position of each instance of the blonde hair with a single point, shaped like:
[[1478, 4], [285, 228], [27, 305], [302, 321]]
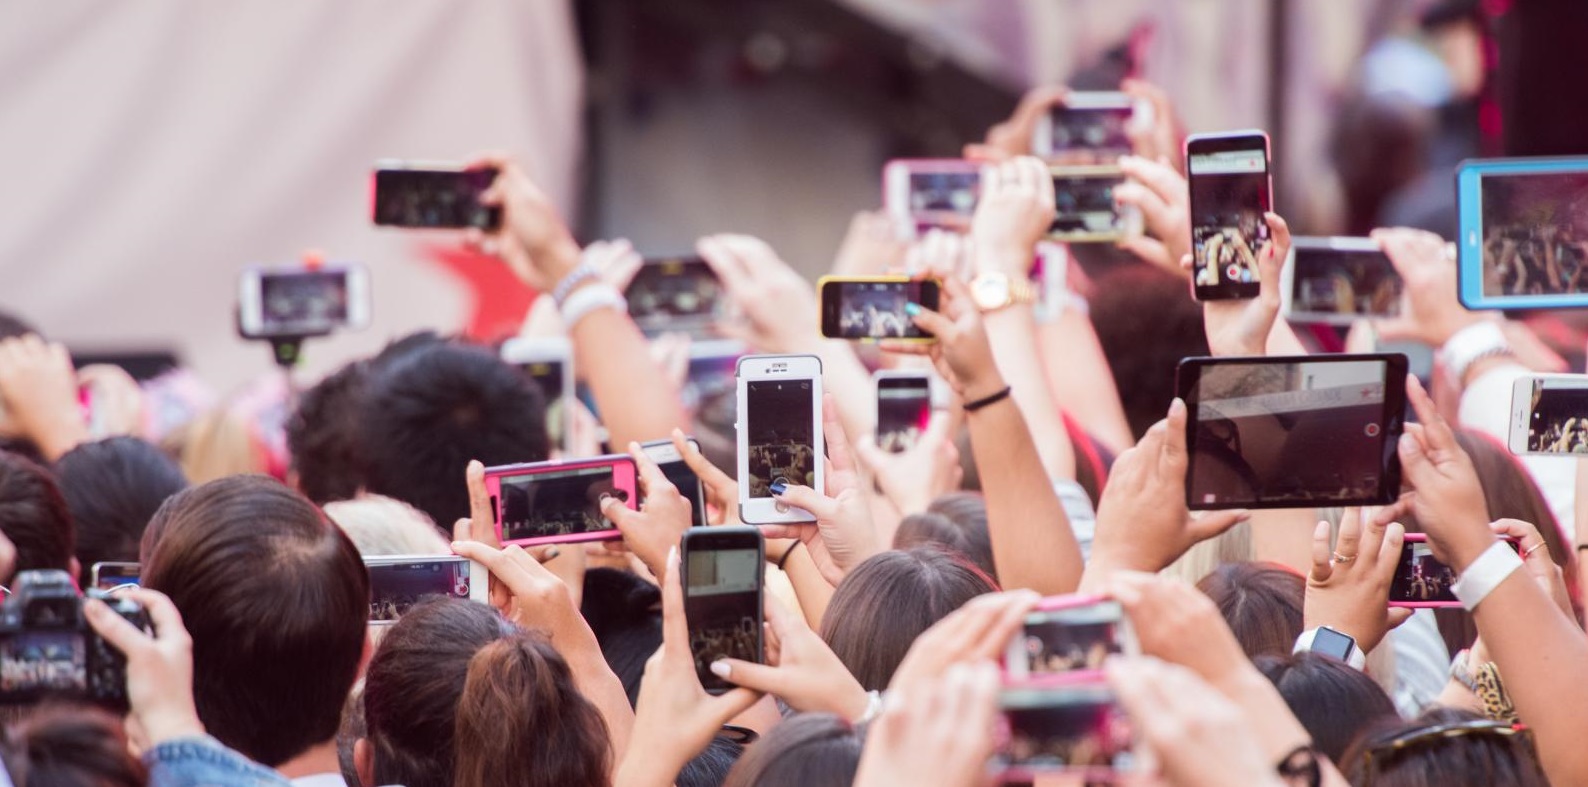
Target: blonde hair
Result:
[[380, 525]]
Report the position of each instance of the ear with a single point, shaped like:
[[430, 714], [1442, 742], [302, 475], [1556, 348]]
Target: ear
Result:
[[364, 761]]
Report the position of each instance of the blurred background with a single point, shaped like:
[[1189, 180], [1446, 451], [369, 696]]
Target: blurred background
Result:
[[152, 150]]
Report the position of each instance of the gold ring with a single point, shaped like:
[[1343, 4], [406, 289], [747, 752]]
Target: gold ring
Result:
[[1526, 553], [1339, 558]]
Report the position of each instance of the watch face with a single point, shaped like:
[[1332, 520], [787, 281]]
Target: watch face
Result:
[[1329, 642], [990, 291]]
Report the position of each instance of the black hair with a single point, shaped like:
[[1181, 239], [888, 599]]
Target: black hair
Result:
[[322, 435], [113, 487], [33, 515], [1474, 759], [1332, 700], [955, 521], [808, 750], [625, 615], [1144, 351]]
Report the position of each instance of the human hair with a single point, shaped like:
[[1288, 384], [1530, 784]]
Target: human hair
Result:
[[806, 750], [1262, 603], [322, 435], [956, 521], [381, 525], [70, 746], [34, 516], [518, 689], [1476, 759], [216, 444], [1143, 353], [112, 488], [1231, 546], [434, 408], [623, 613], [888, 600], [275, 598], [710, 768], [412, 687], [1332, 700]]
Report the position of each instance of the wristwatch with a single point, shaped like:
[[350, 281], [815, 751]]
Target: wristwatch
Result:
[[992, 291], [1328, 642]]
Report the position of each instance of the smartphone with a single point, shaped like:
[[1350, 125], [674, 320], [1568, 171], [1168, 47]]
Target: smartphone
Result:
[[548, 363], [1077, 728], [397, 582], [1421, 580], [921, 194], [904, 408], [1337, 281], [1523, 233], [432, 195], [723, 571], [709, 384], [560, 501], [113, 576], [301, 301], [1069, 634], [1085, 208], [1231, 189], [1089, 127], [779, 434], [861, 308], [678, 472], [1549, 414], [1293, 432], [675, 295]]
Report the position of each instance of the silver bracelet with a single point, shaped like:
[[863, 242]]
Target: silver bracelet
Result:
[[873, 708]]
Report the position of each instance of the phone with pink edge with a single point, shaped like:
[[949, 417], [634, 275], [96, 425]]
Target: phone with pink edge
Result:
[[1071, 725], [1421, 580], [559, 502], [919, 194], [1067, 635]]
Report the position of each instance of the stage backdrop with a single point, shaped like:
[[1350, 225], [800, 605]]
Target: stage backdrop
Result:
[[150, 150]]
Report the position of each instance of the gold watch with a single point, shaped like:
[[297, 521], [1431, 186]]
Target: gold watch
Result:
[[992, 291]]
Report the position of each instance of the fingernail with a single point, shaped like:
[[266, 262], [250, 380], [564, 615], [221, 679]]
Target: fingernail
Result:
[[1177, 407], [672, 554], [456, 544], [779, 488], [720, 668], [1408, 445], [912, 309], [551, 554]]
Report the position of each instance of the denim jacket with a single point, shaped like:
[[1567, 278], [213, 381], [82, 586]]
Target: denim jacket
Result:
[[204, 762]]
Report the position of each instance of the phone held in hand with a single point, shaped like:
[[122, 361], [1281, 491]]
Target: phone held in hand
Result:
[[1421, 580], [114, 576], [1066, 635], [1089, 128], [780, 439], [679, 474], [1084, 206], [431, 195], [675, 295], [923, 194], [299, 301], [723, 569], [559, 501], [548, 363], [1293, 432], [1549, 415], [1070, 726], [397, 582], [1231, 189], [1337, 281], [872, 308], [904, 408], [1523, 240]]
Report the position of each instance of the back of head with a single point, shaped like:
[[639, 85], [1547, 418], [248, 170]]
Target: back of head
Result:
[[624, 613], [70, 746], [322, 435], [808, 750], [956, 521], [1261, 602], [522, 722], [381, 525], [431, 410], [276, 599], [113, 487], [1145, 324], [34, 515], [887, 601], [412, 687], [1479, 756], [1332, 700]]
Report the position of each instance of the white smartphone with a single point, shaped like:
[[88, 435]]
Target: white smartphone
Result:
[[919, 194], [779, 434], [1085, 209], [548, 362], [1337, 281], [298, 301], [904, 408], [1549, 415], [1089, 128], [397, 582]]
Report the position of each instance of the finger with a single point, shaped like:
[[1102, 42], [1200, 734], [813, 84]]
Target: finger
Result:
[[1436, 432], [837, 439], [804, 497], [115, 629], [1527, 537], [750, 675], [548, 553], [675, 626], [932, 322], [1322, 560], [480, 505], [1007, 619], [1373, 536], [1389, 551], [720, 258], [697, 461], [902, 347], [651, 475], [1210, 524], [1166, 183], [1396, 616], [1273, 257], [1347, 543], [1172, 456], [732, 703]]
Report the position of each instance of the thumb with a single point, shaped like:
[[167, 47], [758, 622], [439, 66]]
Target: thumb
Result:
[[1416, 467], [1213, 523], [618, 514], [758, 677], [932, 322], [1397, 616], [808, 499]]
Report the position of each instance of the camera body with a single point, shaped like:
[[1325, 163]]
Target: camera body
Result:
[[47, 648]]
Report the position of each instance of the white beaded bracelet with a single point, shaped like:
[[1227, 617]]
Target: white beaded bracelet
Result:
[[586, 299]]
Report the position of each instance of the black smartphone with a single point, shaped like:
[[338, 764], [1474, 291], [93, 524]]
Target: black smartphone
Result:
[[872, 307], [904, 408], [722, 577], [433, 196], [1293, 432], [675, 294], [1231, 189], [672, 465], [1339, 280]]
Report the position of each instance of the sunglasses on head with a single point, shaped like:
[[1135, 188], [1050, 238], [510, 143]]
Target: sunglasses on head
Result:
[[1387, 748]]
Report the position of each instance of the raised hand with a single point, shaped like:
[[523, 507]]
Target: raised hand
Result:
[[616, 260], [659, 524], [962, 354], [870, 246], [979, 631], [533, 240], [1430, 311], [1012, 137], [778, 305], [38, 388], [1447, 497], [1348, 586], [912, 479], [939, 734], [799, 668], [1014, 212], [1241, 327], [1160, 192], [159, 665]]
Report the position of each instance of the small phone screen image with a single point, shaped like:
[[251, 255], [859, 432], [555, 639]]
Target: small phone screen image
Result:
[[781, 445], [1303, 433], [560, 503], [43, 660], [302, 302], [1535, 233], [875, 309], [1085, 205], [1070, 640], [1065, 728], [1557, 421], [115, 577], [1229, 195], [945, 195], [904, 408], [1097, 132], [394, 587], [722, 602], [434, 198], [688, 484], [1347, 283], [1421, 577], [709, 389], [675, 295], [548, 379]]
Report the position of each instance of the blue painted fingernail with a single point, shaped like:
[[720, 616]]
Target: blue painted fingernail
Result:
[[912, 309], [779, 488]]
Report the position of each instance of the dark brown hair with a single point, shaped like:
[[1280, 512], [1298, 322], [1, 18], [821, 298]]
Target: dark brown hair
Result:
[[1471, 760], [808, 750], [1334, 701], [70, 746], [34, 515], [1262, 603], [957, 521]]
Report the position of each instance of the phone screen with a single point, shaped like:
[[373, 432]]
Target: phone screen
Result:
[[688, 484], [1098, 131], [1078, 727], [1229, 195], [434, 198], [547, 375], [945, 197], [1535, 233], [302, 302], [874, 309], [780, 444], [1077, 639], [680, 294], [722, 603], [394, 587], [1557, 421], [709, 388], [1284, 433], [109, 576], [557, 503], [904, 408], [1421, 577], [1085, 206], [1344, 282]]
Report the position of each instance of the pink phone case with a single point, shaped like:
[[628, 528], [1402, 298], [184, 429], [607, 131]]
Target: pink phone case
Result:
[[1420, 537], [1049, 604], [624, 477]]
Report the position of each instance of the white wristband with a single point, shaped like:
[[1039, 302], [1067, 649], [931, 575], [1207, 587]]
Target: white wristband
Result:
[[1471, 344], [1485, 574], [589, 298]]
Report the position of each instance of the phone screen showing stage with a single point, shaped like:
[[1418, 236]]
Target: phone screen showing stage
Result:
[[675, 295], [875, 309], [1344, 283], [1064, 728], [557, 503], [781, 446], [1229, 195], [1535, 233], [904, 408], [722, 602], [1557, 421], [423, 199], [394, 587], [302, 303]]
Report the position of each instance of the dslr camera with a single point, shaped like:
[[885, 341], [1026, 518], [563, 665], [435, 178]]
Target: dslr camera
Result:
[[47, 648]]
